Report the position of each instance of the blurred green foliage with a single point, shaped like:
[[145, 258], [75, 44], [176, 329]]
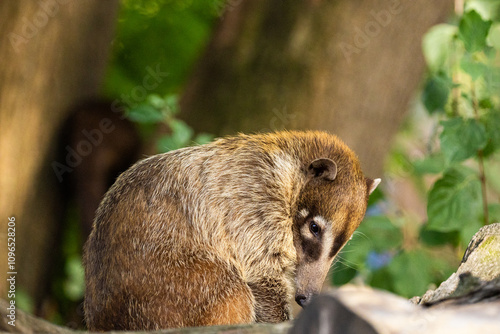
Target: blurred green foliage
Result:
[[167, 33], [462, 95], [156, 110]]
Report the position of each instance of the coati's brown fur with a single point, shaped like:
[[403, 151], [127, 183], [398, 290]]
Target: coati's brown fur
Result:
[[222, 233]]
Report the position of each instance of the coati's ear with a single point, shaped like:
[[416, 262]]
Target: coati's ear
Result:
[[323, 168], [372, 184]]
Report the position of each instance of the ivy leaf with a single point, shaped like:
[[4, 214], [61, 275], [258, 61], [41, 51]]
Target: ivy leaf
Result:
[[462, 138], [436, 92], [454, 200], [472, 30]]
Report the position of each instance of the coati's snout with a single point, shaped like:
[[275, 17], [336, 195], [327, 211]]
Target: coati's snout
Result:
[[313, 255]]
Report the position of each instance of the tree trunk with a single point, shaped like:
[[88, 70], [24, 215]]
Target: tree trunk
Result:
[[348, 67], [53, 56]]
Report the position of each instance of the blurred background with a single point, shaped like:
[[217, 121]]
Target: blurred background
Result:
[[89, 87]]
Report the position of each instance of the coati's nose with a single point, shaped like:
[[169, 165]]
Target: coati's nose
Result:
[[301, 300]]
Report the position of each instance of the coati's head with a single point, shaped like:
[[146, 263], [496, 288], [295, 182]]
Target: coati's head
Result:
[[330, 207]]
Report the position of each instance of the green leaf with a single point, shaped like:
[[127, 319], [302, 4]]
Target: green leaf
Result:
[[436, 92], [156, 101], [411, 273], [74, 285], [382, 279], [488, 9], [493, 38], [145, 113], [342, 274], [437, 238], [473, 30], [462, 138], [172, 103], [203, 138], [375, 234], [180, 137], [454, 200], [494, 213], [436, 45], [167, 143], [181, 132], [469, 230], [376, 196], [433, 164], [491, 122], [383, 234], [473, 67]]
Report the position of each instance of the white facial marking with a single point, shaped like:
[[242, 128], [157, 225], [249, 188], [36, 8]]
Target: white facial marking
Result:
[[327, 241], [303, 213]]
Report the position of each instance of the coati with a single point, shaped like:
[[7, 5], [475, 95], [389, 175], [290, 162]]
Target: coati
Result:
[[222, 233]]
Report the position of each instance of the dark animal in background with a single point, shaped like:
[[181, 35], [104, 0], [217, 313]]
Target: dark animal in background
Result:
[[114, 145], [96, 144]]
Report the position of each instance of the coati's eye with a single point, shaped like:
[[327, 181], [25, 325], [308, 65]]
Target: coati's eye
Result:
[[314, 228]]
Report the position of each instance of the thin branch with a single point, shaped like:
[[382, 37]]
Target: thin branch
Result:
[[480, 158]]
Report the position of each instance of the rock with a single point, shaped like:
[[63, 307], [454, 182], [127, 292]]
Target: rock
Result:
[[362, 310], [479, 270]]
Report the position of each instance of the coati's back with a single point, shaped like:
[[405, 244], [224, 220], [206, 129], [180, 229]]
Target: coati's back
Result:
[[209, 234]]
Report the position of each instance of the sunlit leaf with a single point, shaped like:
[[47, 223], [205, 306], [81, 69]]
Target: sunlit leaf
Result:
[[494, 36], [436, 45], [473, 30]]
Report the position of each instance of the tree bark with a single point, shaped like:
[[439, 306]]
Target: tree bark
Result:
[[348, 67], [53, 56]]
